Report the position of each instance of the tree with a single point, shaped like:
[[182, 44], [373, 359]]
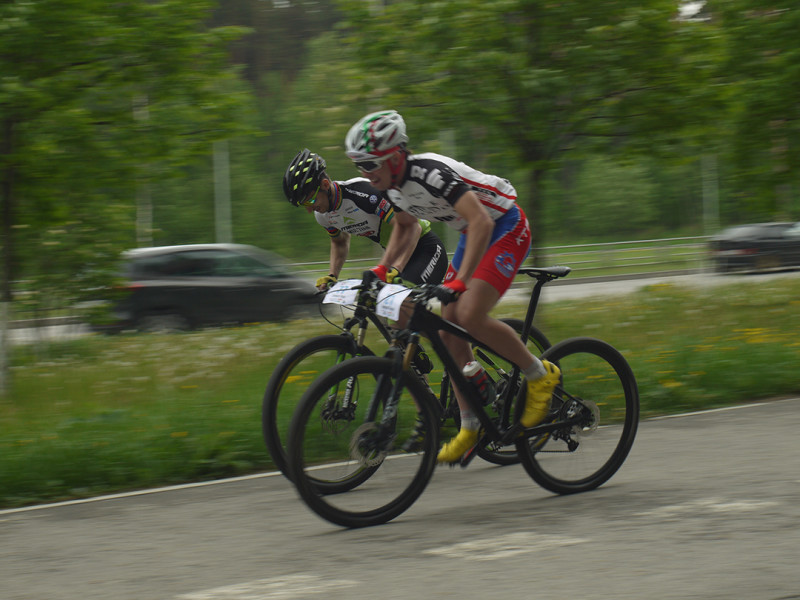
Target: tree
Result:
[[95, 98], [762, 74], [542, 78]]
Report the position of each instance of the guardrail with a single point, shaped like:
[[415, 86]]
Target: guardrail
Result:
[[612, 259], [595, 261]]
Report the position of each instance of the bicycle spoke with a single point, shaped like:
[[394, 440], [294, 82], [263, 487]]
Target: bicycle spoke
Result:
[[331, 445], [598, 403], [290, 379]]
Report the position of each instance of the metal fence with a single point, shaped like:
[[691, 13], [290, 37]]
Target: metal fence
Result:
[[606, 260]]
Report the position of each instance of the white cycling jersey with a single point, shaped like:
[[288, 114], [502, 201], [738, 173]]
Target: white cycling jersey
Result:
[[358, 209], [433, 183]]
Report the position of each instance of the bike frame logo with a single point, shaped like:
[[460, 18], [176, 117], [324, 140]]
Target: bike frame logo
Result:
[[505, 263]]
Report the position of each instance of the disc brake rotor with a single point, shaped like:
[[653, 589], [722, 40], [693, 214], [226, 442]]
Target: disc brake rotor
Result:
[[590, 426], [364, 445]]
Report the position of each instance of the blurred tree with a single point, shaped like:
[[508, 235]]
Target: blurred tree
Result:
[[96, 98], [762, 73], [276, 42], [543, 77]]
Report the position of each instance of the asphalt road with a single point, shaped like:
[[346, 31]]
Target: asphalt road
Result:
[[706, 506]]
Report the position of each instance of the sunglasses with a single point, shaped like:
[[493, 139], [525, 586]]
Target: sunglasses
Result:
[[368, 166], [310, 201]]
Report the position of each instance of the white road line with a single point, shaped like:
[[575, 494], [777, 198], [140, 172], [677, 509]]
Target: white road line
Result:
[[722, 409], [497, 548], [171, 488], [146, 492], [283, 588]]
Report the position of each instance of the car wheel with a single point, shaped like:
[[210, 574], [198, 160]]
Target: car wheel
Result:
[[163, 323]]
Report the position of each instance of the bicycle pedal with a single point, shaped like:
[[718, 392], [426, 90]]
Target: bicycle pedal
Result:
[[467, 457]]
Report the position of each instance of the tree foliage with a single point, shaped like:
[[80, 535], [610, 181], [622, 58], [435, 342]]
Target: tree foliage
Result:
[[95, 99], [762, 73], [587, 107], [544, 78]]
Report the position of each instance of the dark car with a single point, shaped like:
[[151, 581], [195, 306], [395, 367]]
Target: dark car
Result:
[[185, 287], [756, 247]]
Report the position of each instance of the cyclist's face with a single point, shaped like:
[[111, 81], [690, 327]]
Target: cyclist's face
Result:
[[322, 201], [381, 178]]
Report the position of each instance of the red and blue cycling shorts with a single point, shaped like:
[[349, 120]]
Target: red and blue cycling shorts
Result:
[[508, 248]]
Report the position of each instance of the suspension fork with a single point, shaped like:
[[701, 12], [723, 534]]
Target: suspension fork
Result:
[[387, 393], [349, 403]]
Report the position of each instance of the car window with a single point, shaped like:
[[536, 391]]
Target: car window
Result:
[[179, 264], [793, 232], [239, 265], [203, 263]]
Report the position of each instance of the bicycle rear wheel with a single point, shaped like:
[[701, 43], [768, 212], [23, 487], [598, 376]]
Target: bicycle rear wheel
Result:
[[499, 371], [290, 379], [597, 390], [339, 430]]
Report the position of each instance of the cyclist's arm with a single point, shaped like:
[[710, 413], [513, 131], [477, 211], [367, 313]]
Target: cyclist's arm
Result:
[[340, 248], [479, 233], [403, 240]]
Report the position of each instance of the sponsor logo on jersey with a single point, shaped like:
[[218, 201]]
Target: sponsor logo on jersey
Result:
[[358, 193], [505, 264], [361, 229], [434, 179], [431, 265], [449, 189], [373, 199], [418, 172]]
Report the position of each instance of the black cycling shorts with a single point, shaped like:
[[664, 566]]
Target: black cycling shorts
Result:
[[428, 264]]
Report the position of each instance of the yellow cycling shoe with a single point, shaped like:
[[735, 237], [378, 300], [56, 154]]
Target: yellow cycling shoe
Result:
[[453, 450], [540, 391]]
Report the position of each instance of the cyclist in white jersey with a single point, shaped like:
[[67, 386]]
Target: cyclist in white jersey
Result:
[[354, 207], [495, 239]]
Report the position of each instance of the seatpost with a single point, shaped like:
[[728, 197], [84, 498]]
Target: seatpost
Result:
[[532, 304]]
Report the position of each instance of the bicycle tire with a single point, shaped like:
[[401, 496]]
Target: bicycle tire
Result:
[[537, 344], [290, 378], [327, 442], [585, 455]]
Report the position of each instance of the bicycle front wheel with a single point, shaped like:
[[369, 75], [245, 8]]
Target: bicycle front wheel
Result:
[[598, 402], [355, 418], [291, 378]]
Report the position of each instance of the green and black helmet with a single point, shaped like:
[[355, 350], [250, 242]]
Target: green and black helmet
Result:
[[303, 176]]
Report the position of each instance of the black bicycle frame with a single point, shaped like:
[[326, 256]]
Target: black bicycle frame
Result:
[[429, 324]]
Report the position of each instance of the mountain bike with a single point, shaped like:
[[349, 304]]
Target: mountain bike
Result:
[[356, 416], [305, 362]]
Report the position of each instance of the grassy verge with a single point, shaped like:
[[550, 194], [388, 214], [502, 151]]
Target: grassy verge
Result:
[[103, 414]]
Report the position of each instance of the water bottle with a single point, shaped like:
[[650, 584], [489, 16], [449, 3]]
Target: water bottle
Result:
[[479, 379]]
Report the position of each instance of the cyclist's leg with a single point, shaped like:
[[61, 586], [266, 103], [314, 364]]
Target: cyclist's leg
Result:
[[428, 263], [461, 351], [507, 250]]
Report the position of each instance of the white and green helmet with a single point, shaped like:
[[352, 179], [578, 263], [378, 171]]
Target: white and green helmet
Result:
[[375, 135]]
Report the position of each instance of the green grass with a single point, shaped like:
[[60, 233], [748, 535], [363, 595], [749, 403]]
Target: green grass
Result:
[[105, 414]]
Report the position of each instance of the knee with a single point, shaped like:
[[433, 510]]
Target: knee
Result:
[[468, 318]]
